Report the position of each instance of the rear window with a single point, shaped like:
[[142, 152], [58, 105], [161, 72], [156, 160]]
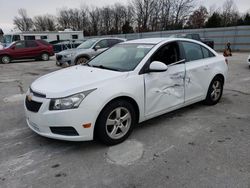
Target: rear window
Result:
[[193, 51], [44, 42], [31, 44], [207, 53]]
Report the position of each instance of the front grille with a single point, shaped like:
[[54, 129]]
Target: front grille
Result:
[[58, 57], [32, 106], [65, 131], [37, 94]]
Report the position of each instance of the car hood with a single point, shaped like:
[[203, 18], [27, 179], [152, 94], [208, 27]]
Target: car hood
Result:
[[75, 50], [73, 80]]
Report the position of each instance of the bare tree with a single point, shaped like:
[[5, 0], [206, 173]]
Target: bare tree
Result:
[[94, 19], [63, 19], [181, 11], [23, 22], [230, 13], [198, 18], [143, 10], [44, 23]]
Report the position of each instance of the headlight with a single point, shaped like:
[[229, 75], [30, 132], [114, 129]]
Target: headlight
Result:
[[70, 102], [70, 55]]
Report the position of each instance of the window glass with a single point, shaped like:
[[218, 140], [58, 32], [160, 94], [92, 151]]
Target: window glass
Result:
[[20, 45], [7, 38], [207, 53], [113, 42], [44, 37], [74, 36], [103, 43], [122, 57], [44, 42], [87, 44], [193, 51], [31, 44], [168, 54], [29, 37], [16, 37]]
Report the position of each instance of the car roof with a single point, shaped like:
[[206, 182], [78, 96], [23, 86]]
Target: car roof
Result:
[[153, 41], [101, 38]]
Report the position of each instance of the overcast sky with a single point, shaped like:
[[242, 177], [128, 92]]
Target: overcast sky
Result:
[[8, 8]]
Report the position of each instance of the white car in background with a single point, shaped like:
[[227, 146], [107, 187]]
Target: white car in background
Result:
[[127, 84]]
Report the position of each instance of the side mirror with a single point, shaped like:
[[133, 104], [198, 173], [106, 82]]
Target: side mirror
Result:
[[13, 47], [157, 66], [97, 48]]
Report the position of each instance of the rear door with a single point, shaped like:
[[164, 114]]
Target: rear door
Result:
[[33, 49], [197, 71]]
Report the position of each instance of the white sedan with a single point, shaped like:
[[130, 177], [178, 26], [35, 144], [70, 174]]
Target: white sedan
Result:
[[127, 84]]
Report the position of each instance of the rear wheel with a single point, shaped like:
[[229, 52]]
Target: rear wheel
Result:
[[5, 59], [81, 60], [45, 56], [215, 91], [115, 123]]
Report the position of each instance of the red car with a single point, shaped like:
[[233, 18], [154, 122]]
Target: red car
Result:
[[26, 49]]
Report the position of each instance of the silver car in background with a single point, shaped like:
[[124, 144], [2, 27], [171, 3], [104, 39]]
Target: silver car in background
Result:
[[85, 51]]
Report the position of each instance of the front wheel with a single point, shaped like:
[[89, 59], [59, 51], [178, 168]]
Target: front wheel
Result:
[[214, 92], [115, 123], [81, 60]]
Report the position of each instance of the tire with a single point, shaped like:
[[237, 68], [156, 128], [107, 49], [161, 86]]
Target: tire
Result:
[[81, 60], [45, 56], [5, 59], [115, 122], [215, 91]]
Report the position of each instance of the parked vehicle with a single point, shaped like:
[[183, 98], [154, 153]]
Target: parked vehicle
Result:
[[196, 36], [59, 46], [48, 36], [129, 83], [248, 61], [29, 49], [85, 51]]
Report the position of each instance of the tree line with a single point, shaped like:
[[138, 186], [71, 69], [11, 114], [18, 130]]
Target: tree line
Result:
[[137, 16]]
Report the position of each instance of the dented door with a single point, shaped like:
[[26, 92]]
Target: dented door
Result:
[[164, 90]]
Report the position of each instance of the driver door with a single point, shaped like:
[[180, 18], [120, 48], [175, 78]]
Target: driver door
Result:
[[165, 90]]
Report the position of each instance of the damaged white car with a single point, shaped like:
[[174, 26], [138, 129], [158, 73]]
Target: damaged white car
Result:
[[127, 84]]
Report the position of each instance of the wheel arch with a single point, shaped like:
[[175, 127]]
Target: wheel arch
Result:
[[125, 98], [82, 55], [221, 76]]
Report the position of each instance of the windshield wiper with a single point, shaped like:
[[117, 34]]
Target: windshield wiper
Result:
[[104, 67]]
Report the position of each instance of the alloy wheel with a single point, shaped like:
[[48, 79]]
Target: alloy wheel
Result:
[[118, 123], [216, 90]]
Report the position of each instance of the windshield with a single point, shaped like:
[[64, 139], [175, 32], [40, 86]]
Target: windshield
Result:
[[87, 44], [123, 57], [7, 38]]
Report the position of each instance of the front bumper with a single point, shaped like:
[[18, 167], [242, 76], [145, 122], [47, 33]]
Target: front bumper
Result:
[[42, 121], [62, 60]]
